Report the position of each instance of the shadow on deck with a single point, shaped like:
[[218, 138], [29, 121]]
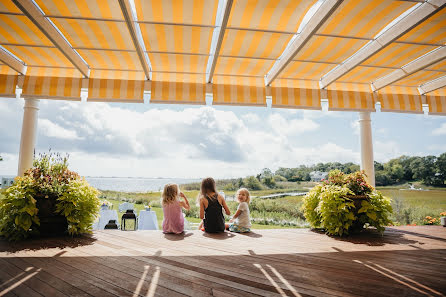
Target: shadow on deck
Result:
[[406, 261]]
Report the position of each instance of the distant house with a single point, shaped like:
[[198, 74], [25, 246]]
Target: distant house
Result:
[[6, 182], [317, 176]]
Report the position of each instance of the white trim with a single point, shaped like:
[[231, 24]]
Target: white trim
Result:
[[298, 41], [432, 85], [404, 25], [10, 60], [420, 63], [223, 11], [129, 13]]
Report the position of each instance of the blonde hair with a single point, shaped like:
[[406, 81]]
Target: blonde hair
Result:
[[170, 193], [248, 195]]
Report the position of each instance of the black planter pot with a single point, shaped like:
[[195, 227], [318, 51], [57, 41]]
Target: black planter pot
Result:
[[51, 223], [357, 226]]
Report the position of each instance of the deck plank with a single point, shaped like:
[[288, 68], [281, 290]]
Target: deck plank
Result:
[[405, 261]]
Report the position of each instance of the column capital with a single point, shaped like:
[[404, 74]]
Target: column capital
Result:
[[364, 116], [31, 103]]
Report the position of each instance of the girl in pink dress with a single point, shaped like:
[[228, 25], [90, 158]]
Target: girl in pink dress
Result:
[[173, 221]]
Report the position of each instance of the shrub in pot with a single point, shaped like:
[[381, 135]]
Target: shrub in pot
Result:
[[343, 204], [48, 200]]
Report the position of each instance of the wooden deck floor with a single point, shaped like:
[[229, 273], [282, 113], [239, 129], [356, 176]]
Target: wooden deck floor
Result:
[[406, 261]]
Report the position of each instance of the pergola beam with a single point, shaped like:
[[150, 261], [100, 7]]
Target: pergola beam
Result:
[[420, 63], [432, 85], [404, 25], [224, 9], [316, 21], [46, 27], [12, 62], [133, 27]]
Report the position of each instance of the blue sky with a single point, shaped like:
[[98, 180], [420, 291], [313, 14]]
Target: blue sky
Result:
[[154, 140]]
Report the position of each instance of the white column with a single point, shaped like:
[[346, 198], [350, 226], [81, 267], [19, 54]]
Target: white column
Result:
[[29, 132], [367, 164]]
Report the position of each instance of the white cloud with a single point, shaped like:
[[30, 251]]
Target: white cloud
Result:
[[283, 126], [50, 129], [355, 127], [187, 141], [440, 130]]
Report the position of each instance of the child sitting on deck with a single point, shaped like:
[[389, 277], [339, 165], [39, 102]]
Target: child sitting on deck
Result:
[[173, 221], [242, 221], [211, 204]]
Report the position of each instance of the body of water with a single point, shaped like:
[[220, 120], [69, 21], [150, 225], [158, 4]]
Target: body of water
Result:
[[129, 184], [126, 184]]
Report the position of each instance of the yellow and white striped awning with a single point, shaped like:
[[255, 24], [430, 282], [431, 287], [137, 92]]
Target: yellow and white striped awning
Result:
[[8, 85], [177, 92], [66, 88], [184, 50], [437, 102], [348, 97], [400, 99], [115, 90], [296, 94]]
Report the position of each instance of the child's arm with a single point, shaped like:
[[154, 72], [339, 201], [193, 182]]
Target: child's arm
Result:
[[237, 213], [185, 203], [223, 203], [201, 209]]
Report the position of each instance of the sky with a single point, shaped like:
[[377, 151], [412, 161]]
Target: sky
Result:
[[186, 141]]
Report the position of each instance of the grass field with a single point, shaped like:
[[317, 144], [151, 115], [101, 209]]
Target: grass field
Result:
[[410, 206]]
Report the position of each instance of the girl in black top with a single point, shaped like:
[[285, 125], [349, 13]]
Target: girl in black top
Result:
[[211, 204]]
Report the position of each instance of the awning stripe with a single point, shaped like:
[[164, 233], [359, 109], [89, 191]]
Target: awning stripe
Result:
[[295, 98], [185, 39], [400, 99], [269, 14], [350, 97], [238, 95], [287, 93], [437, 102], [39, 87], [177, 92], [359, 18], [8, 85], [350, 101], [115, 90], [201, 12]]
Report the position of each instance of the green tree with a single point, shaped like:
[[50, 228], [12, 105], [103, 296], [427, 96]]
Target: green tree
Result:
[[252, 183], [1, 159], [424, 169], [441, 168]]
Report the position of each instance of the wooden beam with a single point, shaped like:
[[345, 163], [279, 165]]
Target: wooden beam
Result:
[[315, 22], [135, 33], [432, 85], [404, 25], [12, 62], [420, 63], [223, 11], [38, 18]]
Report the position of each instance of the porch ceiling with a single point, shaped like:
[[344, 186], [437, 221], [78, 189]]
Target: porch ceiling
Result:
[[345, 45]]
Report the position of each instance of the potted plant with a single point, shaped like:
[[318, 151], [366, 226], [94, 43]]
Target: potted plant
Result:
[[48, 200], [346, 203]]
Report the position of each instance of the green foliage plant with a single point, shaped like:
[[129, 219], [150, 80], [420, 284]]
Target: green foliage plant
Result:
[[18, 211], [49, 178], [375, 211], [79, 203], [345, 203], [336, 211], [310, 204]]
